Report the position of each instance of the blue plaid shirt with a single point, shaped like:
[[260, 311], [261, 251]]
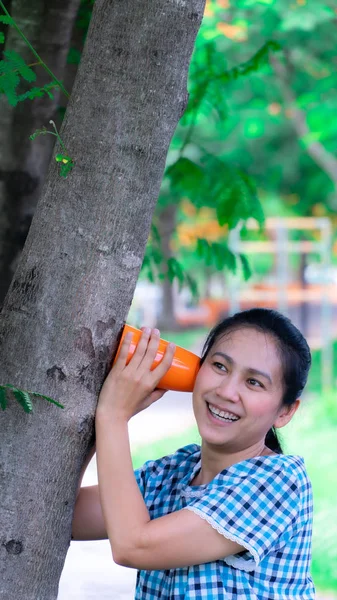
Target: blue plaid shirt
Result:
[[263, 504]]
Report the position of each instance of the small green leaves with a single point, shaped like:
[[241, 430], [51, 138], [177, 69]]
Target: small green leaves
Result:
[[42, 131], [220, 256], [2, 38], [7, 20], [12, 67], [216, 254], [23, 397], [254, 64], [246, 270], [236, 199], [3, 398], [175, 271], [66, 163], [157, 269], [186, 176]]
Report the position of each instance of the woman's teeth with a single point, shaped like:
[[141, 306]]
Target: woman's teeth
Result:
[[221, 415]]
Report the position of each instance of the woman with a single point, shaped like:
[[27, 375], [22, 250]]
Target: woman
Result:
[[231, 519]]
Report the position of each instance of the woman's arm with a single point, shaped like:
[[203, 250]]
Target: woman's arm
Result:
[[178, 539], [88, 522]]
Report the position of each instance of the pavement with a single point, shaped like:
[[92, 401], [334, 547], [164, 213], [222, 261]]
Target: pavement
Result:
[[89, 572]]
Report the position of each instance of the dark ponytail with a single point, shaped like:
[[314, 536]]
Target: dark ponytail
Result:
[[294, 352], [272, 441]]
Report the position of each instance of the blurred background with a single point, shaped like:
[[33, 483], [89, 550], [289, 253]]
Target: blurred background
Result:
[[247, 216]]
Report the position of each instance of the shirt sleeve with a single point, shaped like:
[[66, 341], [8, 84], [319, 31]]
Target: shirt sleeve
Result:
[[257, 510], [143, 473]]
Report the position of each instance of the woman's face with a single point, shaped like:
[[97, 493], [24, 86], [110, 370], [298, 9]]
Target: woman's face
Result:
[[238, 392]]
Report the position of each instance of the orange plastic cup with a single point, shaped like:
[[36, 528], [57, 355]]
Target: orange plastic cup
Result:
[[181, 375]]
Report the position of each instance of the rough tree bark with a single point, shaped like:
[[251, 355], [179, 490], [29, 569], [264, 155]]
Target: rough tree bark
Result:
[[48, 24], [78, 270]]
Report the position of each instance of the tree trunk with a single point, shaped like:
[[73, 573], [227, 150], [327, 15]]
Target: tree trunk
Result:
[[166, 226], [49, 25], [75, 280]]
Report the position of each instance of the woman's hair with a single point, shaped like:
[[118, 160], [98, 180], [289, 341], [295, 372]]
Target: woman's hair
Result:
[[293, 348]]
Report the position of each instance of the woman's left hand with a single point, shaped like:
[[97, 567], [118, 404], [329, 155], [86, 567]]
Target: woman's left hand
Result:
[[129, 389]]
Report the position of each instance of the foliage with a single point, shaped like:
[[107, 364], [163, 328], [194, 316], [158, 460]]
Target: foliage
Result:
[[238, 120], [66, 163], [260, 133], [13, 66], [231, 194], [23, 397]]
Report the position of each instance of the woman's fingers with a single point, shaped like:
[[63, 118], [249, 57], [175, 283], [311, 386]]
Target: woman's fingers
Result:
[[151, 351], [121, 359], [145, 355], [165, 363], [141, 348]]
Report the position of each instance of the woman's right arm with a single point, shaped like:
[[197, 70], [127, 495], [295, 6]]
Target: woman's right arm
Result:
[[88, 522]]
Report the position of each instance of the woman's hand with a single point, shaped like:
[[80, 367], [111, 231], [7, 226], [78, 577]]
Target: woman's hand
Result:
[[129, 389]]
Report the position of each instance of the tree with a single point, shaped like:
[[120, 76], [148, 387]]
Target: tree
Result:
[[48, 25], [283, 154], [206, 97], [76, 276]]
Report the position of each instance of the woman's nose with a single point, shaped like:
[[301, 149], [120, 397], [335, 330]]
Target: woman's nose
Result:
[[229, 389]]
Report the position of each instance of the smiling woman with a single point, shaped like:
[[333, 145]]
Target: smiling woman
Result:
[[230, 519]]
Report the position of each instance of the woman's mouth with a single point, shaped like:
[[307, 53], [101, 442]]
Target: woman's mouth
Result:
[[221, 416]]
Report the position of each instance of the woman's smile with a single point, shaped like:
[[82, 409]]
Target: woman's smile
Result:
[[221, 416]]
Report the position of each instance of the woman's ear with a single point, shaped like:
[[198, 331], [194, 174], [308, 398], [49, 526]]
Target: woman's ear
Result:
[[286, 414]]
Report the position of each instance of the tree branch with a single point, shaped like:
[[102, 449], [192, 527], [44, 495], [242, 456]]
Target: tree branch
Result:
[[315, 149]]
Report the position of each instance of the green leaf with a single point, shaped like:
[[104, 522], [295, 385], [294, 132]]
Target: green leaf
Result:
[[42, 131], [16, 62], [229, 259], [156, 255], [46, 398], [175, 270], [9, 81], [36, 92], [217, 254], [228, 204], [247, 272], [204, 251], [23, 398], [192, 286], [6, 20], [74, 56], [254, 64], [2, 38], [3, 398], [66, 168], [186, 176], [254, 208], [155, 233]]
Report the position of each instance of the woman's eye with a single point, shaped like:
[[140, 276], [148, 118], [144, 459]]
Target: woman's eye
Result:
[[219, 366], [255, 383]]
